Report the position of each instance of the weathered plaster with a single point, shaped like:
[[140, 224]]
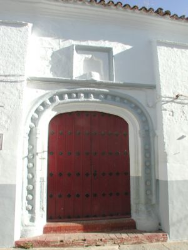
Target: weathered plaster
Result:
[[13, 48], [173, 110], [177, 214], [11, 34], [7, 194], [11, 94]]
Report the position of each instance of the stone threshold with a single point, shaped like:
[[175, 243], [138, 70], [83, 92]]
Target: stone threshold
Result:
[[95, 225], [125, 237]]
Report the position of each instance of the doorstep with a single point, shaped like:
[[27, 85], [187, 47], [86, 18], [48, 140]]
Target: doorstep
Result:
[[101, 225], [125, 237]]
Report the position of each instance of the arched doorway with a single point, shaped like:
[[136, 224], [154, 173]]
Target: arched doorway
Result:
[[88, 166], [141, 152]]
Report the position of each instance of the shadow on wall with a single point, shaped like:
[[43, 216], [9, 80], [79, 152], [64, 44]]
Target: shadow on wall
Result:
[[62, 63], [133, 64]]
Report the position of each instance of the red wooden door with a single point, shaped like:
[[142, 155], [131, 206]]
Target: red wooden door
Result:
[[88, 166]]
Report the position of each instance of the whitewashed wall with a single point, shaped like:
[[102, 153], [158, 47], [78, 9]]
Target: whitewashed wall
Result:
[[173, 109], [146, 51], [13, 48]]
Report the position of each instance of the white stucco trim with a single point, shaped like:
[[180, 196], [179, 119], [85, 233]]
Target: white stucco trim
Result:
[[17, 23], [173, 43], [92, 83], [142, 177]]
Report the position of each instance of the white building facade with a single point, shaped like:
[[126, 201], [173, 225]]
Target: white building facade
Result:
[[58, 57]]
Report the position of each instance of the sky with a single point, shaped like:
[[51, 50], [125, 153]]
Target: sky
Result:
[[179, 7]]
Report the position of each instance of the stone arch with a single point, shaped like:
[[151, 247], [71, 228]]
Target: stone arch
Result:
[[142, 160]]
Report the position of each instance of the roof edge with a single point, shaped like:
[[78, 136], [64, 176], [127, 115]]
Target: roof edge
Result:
[[119, 5]]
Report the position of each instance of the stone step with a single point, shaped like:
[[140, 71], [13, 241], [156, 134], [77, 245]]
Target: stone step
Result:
[[90, 226], [126, 237]]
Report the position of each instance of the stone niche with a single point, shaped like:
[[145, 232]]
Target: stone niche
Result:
[[93, 63]]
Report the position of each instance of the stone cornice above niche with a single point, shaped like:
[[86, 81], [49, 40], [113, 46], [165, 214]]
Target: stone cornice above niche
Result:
[[58, 83]]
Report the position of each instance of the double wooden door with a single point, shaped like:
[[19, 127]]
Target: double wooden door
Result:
[[88, 166]]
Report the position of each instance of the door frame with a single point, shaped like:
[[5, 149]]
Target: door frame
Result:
[[141, 148]]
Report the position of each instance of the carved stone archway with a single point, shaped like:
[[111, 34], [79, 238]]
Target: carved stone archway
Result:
[[141, 140]]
